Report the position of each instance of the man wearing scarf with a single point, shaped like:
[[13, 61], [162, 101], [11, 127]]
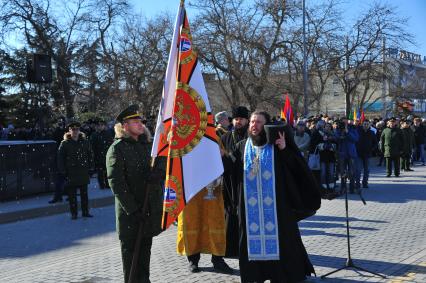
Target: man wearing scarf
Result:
[[229, 140], [276, 190]]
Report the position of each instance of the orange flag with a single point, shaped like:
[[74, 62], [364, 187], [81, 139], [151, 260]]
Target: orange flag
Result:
[[185, 131]]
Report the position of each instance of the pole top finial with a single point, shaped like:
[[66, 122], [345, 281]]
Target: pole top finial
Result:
[[182, 2]]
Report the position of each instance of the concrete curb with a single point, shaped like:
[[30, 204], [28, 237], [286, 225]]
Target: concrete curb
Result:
[[50, 209]]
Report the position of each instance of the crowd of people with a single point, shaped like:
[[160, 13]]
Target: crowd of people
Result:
[[310, 154], [344, 147]]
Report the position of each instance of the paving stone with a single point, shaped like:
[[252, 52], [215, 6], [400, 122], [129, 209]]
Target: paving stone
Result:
[[387, 236]]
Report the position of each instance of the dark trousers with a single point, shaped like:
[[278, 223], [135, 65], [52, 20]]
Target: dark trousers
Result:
[[102, 177], [395, 161], [59, 186], [195, 258], [127, 250], [420, 153], [362, 167], [405, 161], [72, 195]]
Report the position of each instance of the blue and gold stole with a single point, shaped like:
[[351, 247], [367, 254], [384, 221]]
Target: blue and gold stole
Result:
[[260, 202]]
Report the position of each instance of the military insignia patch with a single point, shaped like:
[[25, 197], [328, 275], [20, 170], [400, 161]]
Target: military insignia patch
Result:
[[189, 121]]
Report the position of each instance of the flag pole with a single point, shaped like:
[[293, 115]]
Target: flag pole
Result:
[[145, 213]]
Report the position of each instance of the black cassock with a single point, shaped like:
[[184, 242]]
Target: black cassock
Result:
[[297, 197], [231, 196]]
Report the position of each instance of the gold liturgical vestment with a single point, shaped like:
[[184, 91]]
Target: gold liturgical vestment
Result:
[[201, 225]]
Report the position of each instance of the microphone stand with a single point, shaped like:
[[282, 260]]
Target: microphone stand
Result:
[[349, 262]]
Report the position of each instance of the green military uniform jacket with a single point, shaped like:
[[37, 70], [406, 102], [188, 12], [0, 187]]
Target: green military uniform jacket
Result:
[[392, 142], [129, 176], [75, 159]]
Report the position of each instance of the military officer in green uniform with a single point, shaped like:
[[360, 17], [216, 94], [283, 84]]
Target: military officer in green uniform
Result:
[[75, 159], [131, 174], [391, 142]]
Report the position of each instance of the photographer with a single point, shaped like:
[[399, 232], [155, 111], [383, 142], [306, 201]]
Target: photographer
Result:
[[347, 136], [327, 149]]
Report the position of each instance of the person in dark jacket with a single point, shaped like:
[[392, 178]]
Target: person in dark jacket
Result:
[[391, 142], [75, 159], [222, 123], [134, 178], [366, 144], [408, 145], [316, 136], [229, 140], [57, 136], [419, 136], [327, 151], [101, 141]]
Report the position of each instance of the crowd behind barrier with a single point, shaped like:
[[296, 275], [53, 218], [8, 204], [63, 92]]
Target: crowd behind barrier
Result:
[[333, 147], [29, 158]]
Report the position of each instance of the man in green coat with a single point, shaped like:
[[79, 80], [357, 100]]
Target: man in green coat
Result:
[[75, 159], [133, 177], [391, 145]]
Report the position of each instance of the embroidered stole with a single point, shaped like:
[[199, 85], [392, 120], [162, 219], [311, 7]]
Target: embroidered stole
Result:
[[260, 202]]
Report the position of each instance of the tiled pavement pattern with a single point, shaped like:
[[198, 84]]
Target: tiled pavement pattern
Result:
[[388, 236]]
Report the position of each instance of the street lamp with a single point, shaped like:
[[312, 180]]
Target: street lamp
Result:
[[305, 71]]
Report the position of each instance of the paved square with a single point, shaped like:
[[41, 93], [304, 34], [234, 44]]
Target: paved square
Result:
[[387, 236]]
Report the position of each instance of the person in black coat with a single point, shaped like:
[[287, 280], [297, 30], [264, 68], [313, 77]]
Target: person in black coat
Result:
[[57, 136], [419, 137], [407, 146], [75, 159], [366, 144], [230, 191], [327, 151], [296, 196], [101, 141]]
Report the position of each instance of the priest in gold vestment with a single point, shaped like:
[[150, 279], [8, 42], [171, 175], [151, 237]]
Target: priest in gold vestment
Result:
[[201, 228]]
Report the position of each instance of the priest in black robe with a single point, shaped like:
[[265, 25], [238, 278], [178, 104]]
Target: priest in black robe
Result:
[[281, 255], [229, 141]]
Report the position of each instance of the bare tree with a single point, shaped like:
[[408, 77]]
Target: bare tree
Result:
[[362, 48], [58, 35], [242, 43], [143, 58]]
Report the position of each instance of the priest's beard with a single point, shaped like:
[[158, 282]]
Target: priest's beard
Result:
[[258, 140]]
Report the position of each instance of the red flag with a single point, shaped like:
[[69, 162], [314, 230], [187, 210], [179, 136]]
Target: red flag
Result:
[[361, 120], [287, 111]]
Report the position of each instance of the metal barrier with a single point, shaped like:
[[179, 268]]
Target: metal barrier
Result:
[[26, 168]]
